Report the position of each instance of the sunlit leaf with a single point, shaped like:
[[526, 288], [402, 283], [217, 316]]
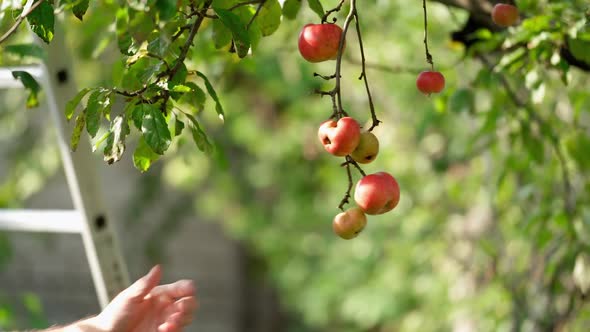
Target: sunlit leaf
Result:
[[116, 140], [213, 94], [80, 9], [317, 7], [74, 102], [42, 21], [291, 8], [238, 29], [155, 129], [269, 17], [27, 50], [33, 88], [143, 156]]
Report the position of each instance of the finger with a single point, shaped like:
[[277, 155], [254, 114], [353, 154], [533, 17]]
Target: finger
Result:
[[186, 304], [140, 288], [175, 319], [179, 289], [168, 327], [184, 307]]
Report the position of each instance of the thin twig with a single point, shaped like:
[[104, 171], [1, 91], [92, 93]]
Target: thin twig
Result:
[[428, 55], [244, 4], [183, 52], [19, 20], [181, 31], [260, 5], [335, 9], [363, 76], [327, 78]]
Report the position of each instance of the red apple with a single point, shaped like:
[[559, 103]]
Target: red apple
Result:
[[430, 82], [319, 42], [367, 149], [340, 137], [504, 15], [377, 193], [350, 223]]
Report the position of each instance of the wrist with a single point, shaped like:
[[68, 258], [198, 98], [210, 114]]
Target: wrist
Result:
[[90, 324]]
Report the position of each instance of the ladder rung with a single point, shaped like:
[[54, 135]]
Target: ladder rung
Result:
[[8, 81], [42, 221]]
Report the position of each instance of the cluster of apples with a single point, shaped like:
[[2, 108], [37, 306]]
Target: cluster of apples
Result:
[[374, 194]]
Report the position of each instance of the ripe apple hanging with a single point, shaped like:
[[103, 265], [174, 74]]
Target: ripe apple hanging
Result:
[[319, 42]]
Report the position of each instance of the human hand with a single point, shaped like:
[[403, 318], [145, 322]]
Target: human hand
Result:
[[147, 307]]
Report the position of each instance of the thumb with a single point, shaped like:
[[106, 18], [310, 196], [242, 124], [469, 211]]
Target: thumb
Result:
[[145, 284]]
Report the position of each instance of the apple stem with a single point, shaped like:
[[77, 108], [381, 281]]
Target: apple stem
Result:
[[364, 73], [336, 89], [428, 55], [345, 199], [335, 9], [349, 161]]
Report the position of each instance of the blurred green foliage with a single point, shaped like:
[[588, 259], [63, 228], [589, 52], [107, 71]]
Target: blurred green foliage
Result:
[[493, 217]]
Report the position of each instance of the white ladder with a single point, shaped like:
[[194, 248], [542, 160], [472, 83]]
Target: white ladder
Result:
[[89, 217]]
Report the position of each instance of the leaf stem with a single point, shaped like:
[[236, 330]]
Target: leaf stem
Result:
[[19, 20]]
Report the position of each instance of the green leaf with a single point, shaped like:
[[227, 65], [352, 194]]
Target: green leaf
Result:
[[124, 40], [107, 105], [73, 103], [78, 128], [534, 146], [80, 9], [237, 28], [93, 112], [178, 127], [116, 140], [42, 21], [137, 111], [155, 129], [179, 77], [166, 8], [30, 85], [27, 50], [213, 94], [317, 7], [577, 145], [143, 156], [269, 17], [579, 49], [159, 45], [195, 98], [461, 100], [199, 136], [221, 34], [291, 8]]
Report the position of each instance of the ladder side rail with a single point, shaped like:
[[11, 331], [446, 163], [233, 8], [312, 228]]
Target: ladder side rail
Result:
[[108, 268]]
